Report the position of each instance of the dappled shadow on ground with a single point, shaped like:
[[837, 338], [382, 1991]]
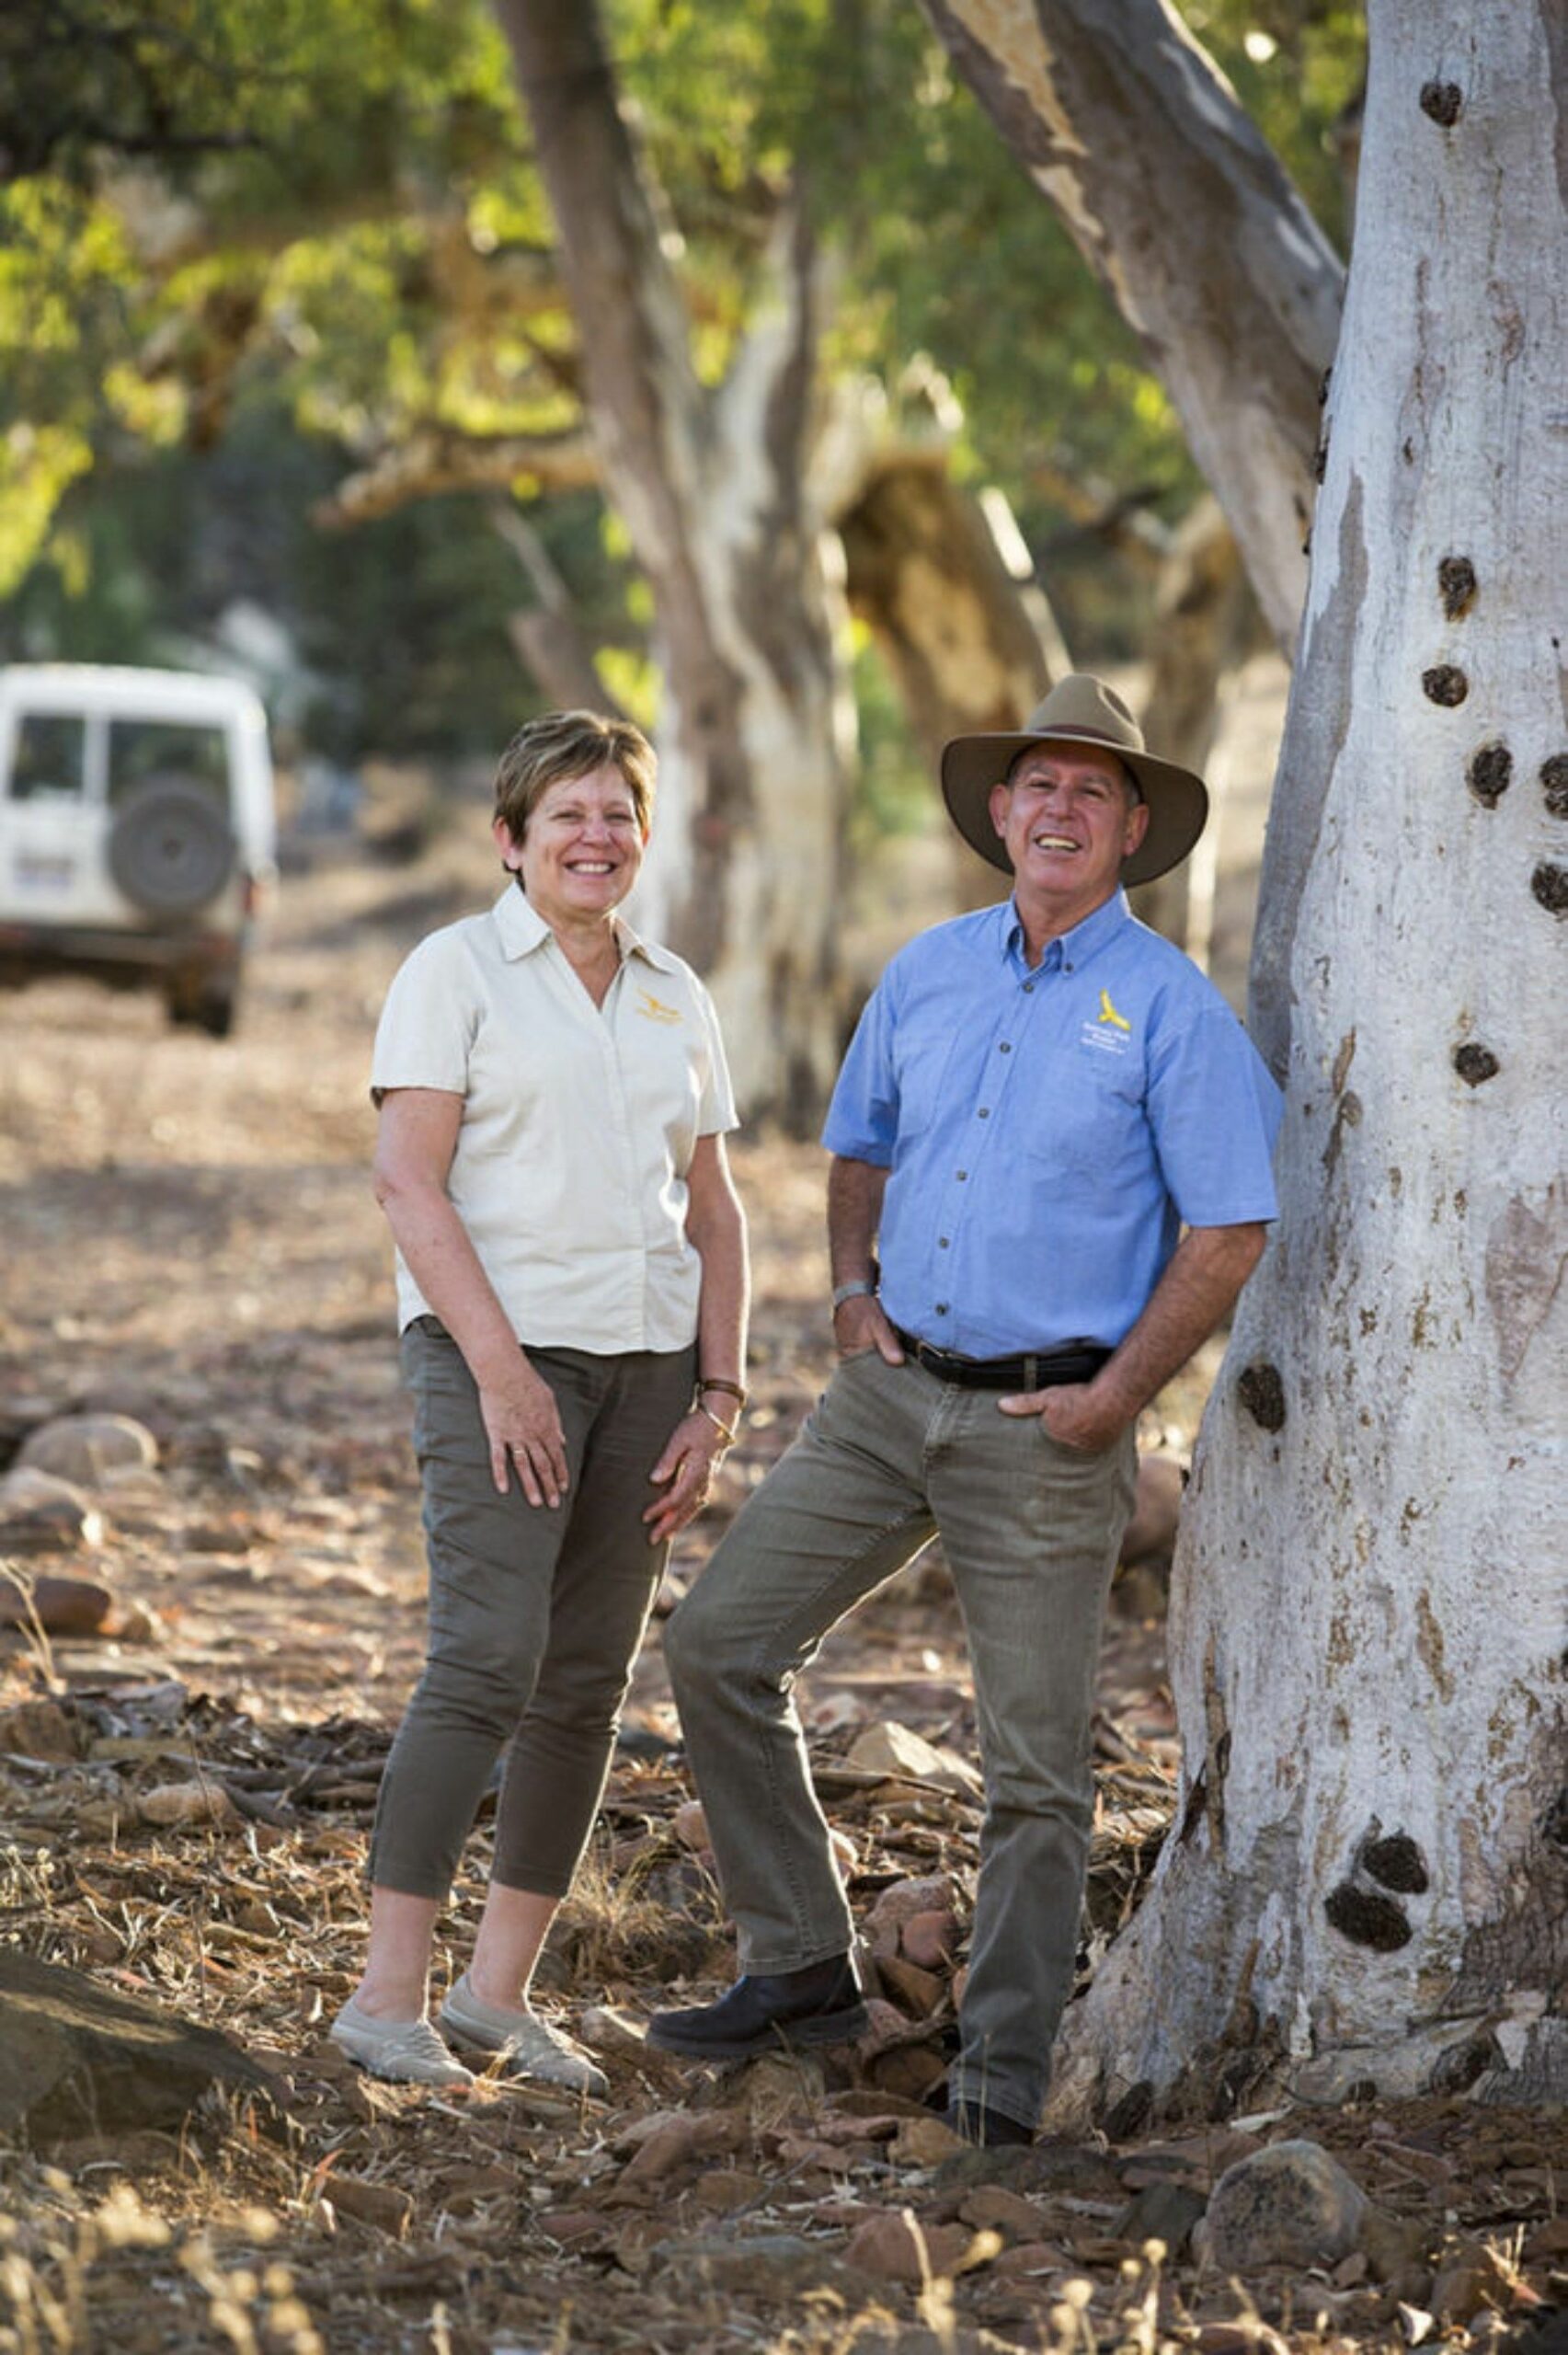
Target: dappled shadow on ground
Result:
[[190, 1239]]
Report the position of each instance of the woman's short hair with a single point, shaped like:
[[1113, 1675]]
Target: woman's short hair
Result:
[[562, 745]]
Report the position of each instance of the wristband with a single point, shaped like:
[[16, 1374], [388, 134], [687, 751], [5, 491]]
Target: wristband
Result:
[[725, 1431], [860, 1290], [735, 1390]]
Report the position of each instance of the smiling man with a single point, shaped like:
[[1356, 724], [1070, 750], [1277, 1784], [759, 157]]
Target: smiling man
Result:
[[1051, 1144]]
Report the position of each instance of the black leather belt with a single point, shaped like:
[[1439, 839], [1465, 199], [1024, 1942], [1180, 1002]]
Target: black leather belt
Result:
[[1041, 1370]]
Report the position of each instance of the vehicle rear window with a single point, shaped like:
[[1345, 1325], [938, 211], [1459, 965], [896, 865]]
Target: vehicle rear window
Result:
[[46, 763], [159, 751]]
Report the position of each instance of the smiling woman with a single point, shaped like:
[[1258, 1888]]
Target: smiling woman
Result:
[[570, 1252]]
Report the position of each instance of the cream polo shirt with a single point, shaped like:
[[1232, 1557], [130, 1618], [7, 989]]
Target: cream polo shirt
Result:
[[578, 1123]]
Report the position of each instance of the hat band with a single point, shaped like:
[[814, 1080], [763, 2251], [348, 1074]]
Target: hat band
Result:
[[1094, 735]]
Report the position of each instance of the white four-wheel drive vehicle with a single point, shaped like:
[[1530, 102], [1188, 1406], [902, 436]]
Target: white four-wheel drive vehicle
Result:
[[137, 832]]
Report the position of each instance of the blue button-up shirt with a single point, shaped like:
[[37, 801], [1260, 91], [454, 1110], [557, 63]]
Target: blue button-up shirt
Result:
[[1047, 1131]]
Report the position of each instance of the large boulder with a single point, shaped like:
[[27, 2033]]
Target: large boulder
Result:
[[1290, 2204], [79, 2058], [87, 1449]]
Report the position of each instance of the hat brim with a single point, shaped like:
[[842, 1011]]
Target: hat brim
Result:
[[1177, 801]]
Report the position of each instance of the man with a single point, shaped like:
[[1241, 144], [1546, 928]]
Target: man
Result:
[[1038, 1099]]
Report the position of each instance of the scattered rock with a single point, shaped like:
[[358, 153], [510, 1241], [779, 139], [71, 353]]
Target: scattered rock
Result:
[[61, 1606], [930, 1939], [728, 2190], [381, 2204], [1394, 2243], [1473, 2279], [78, 2057], [1291, 2204], [923, 2142], [900, 1904], [893, 2247], [991, 2207], [894, 1750], [39, 1730], [690, 1825], [86, 1448], [910, 2071], [1030, 2261], [922, 1990], [1163, 2211], [200, 1802], [1249, 2337], [40, 1514], [570, 2225], [678, 2138]]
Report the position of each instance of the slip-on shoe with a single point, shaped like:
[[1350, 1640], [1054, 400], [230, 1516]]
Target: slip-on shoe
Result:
[[820, 2004], [530, 2046], [406, 2052]]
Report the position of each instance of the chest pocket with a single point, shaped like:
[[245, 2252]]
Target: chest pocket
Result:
[[1088, 1121]]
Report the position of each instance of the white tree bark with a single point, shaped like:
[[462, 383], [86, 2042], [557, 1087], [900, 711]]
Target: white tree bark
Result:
[[1182, 211], [1371, 1858], [711, 485]]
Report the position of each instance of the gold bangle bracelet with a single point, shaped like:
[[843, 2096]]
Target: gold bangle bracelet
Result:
[[724, 1430]]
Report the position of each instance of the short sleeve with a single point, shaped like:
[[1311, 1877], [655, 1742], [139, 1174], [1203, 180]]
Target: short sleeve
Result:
[[426, 1026], [716, 1112], [1215, 1113], [863, 1118]]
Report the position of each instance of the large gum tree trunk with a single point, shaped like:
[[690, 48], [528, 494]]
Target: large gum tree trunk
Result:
[[945, 584], [1369, 1874], [711, 485], [1186, 215]]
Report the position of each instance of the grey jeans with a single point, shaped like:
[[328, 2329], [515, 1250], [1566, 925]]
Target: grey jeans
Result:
[[535, 1615], [891, 1456]]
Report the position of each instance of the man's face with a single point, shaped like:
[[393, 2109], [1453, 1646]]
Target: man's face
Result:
[[1068, 817]]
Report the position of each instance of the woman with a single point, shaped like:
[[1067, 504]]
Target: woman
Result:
[[572, 1294]]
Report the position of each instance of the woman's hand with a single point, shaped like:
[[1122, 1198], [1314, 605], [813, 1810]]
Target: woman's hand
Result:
[[522, 1424], [688, 1463]]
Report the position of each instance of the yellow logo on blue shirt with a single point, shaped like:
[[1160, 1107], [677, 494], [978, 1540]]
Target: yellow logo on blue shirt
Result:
[[655, 1010], [1108, 1030]]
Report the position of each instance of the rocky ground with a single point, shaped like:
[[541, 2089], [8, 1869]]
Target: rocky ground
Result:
[[187, 1766]]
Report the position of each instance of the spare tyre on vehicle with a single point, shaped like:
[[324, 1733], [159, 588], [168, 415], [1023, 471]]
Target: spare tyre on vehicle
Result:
[[171, 848]]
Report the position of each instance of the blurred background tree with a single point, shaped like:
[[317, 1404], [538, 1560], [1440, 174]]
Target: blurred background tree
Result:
[[250, 253]]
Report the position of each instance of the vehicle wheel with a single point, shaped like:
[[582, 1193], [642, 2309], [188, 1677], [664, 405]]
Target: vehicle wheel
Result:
[[213, 1010], [215, 1014], [170, 850]]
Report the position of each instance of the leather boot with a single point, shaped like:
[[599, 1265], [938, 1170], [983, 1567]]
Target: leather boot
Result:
[[820, 2004]]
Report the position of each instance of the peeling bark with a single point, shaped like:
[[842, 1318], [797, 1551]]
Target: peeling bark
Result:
[[948, 590], [1186, 217], [1367, 1584], [712, 488]]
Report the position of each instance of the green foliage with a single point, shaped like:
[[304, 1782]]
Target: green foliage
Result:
[[239, 212]]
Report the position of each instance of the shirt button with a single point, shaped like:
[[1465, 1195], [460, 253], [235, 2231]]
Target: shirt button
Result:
[[942, 1308], [962, 1175], [941, 1241], [1029, 989], [984, 1112], [1067, 969], [1004, 1049]]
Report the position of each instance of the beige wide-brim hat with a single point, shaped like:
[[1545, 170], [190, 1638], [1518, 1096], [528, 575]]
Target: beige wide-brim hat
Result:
[[1079, 710]]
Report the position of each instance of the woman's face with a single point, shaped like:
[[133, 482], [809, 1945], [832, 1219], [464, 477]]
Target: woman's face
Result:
[[581, 847]]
